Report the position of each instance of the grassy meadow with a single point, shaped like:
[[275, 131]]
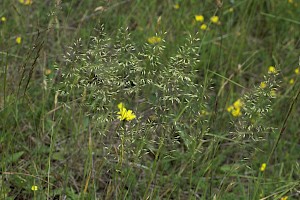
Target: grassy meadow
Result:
[[157, 99]]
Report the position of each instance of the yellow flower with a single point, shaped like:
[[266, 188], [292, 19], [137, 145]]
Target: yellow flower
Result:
[[199, 18], [292, 81], [273, 93], [235, 109], [263, 167], [154, 40], [26, 2], [203, 27], [34, 188], [297, 70], [230, 9], [272, 70], [263, 85], [47, 71], [125, 114], [238, 103], [3, 19], [176, 6], [18, 40], [214, 19], [284, 198], [230, 108], [236, 112], [204, 112]]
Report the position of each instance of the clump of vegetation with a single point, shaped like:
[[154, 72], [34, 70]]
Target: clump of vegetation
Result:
[[190, 101]]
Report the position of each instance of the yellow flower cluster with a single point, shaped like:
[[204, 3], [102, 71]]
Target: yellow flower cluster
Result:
[[263, 167], [200, 18], [154, 40], [125, 114], [235, 109]]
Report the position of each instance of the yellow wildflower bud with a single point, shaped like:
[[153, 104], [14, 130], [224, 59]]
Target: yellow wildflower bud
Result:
[[18, 40], [272, 70], [203, 27], [273, 93], [26, 2], [297, 70], [154, 40], [199, 18], [3, 19], [292, 81], [214, 19], [176, 6], [204, 112], [284, 198], [47, 71], [263, 167], [34, 188], [263, 85]]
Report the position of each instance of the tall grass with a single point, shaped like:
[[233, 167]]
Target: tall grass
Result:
[[213, 120]]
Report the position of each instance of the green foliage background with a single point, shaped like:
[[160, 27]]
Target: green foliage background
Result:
[[78, 59]]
